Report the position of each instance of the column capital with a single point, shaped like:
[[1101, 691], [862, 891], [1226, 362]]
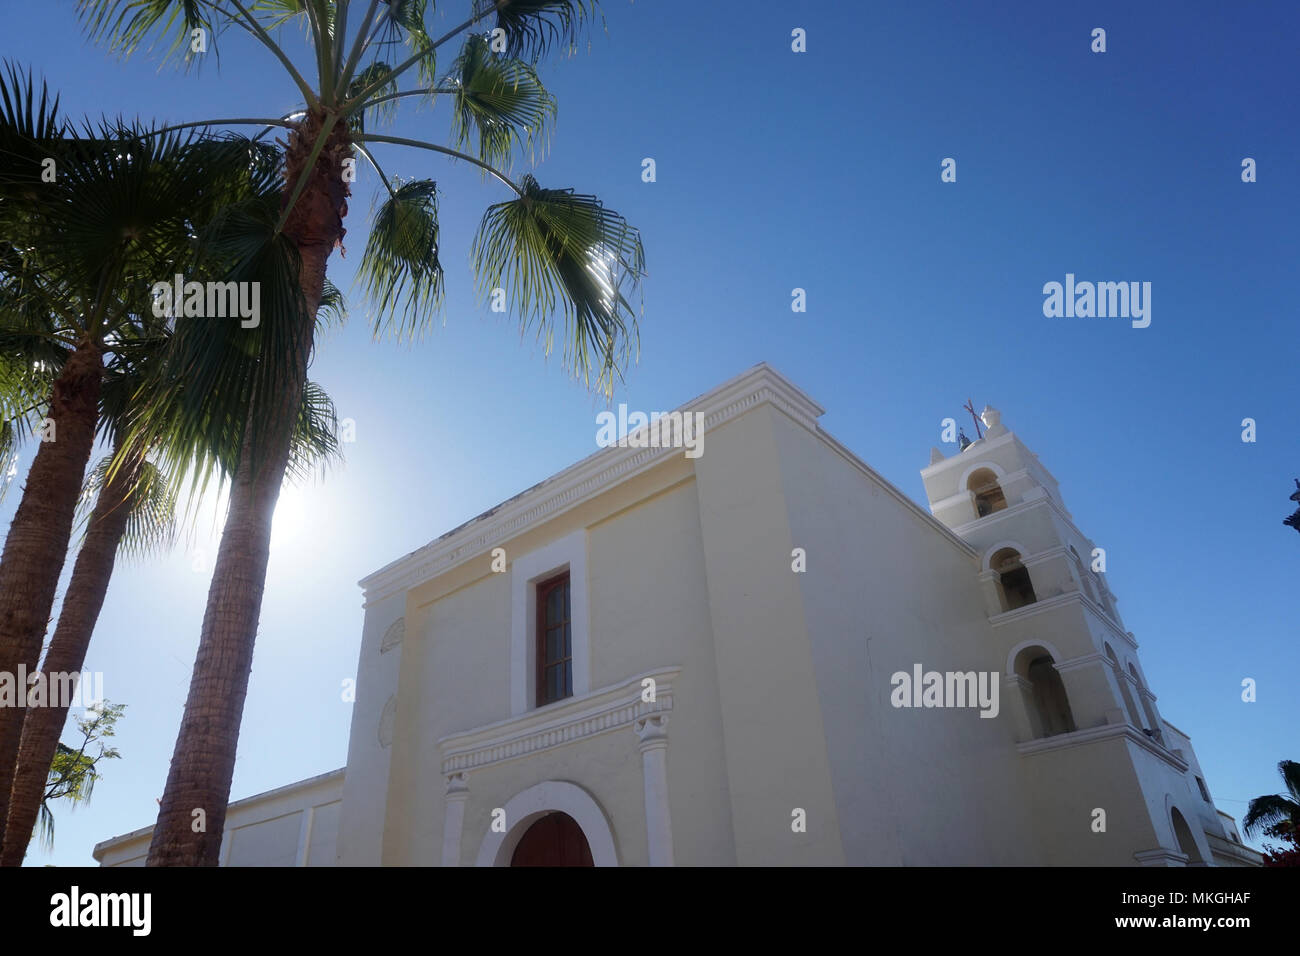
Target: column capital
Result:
[[652, 730], [457, 786]]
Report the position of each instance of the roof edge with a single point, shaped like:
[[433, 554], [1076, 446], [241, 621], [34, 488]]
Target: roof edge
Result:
[[593, 474]]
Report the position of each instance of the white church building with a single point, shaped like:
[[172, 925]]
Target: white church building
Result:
[[760, 654]]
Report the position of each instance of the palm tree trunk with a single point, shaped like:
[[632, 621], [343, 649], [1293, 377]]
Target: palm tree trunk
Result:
[[192, 818], [67, 655], [37, 544]]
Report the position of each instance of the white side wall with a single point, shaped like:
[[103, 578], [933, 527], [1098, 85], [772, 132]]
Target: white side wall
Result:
[[296, 825]]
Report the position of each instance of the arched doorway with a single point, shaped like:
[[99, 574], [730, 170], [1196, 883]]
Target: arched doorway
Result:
[[541, 800], [554, 840], [1015, 589], [1046, 703], [1186, 841]]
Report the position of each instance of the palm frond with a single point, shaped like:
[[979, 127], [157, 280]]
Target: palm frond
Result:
[[9, 443], [333, 309], [151, 527], [125, 24], [1290, 771], [399, 270], [315, 441], [499, 102], [1267, 812], [28, 126], [532, 27], [382, 112], [276, 13], [196, 408], [408, 17], [553, 250], [193, 408], [151, 523]]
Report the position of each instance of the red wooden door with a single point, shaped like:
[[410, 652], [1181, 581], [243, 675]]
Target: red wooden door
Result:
[[554, 840]]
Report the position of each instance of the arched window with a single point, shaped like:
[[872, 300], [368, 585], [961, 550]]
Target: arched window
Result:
[[1046, 701], [1153, 722], [1085, 578], [1104, 597], [1015, 589], [1186, 842], [988, 493], [1134, 715]]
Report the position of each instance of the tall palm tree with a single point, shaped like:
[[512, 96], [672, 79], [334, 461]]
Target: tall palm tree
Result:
[[551, 250], [1275, 814], [79, 251], [134, 512]]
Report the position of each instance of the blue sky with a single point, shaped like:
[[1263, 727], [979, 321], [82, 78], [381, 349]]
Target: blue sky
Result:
[[820, 170]]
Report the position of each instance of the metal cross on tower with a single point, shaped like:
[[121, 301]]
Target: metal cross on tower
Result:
[[970, 407]]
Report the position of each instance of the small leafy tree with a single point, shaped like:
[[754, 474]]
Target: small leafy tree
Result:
[[73, 771]]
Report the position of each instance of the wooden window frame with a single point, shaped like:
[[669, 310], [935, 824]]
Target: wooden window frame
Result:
[[542, 590]]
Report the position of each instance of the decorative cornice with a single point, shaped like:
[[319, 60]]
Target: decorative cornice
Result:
[[1082, 738], [579, 482], [1042, 557], [1161, 857], [983, 444], [1030, 610], [1084, 660], [1056, 601], [1222, 846], [611, 708]]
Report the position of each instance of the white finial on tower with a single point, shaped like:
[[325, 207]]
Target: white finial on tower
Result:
[[992, 419]]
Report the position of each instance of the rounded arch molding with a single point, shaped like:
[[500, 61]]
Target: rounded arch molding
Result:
[[527, 806], [992, 466], [1194, 826], [989, 552], [1032, 642]]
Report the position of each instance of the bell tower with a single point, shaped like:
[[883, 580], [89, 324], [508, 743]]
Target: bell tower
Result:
[[1041, 578], [1073, 688]]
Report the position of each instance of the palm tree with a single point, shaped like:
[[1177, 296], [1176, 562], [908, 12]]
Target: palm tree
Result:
[[551, 250], [79, 251], [134, 512], [1275, 814]]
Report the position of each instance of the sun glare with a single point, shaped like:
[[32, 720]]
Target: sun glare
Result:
[[290, 521]]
